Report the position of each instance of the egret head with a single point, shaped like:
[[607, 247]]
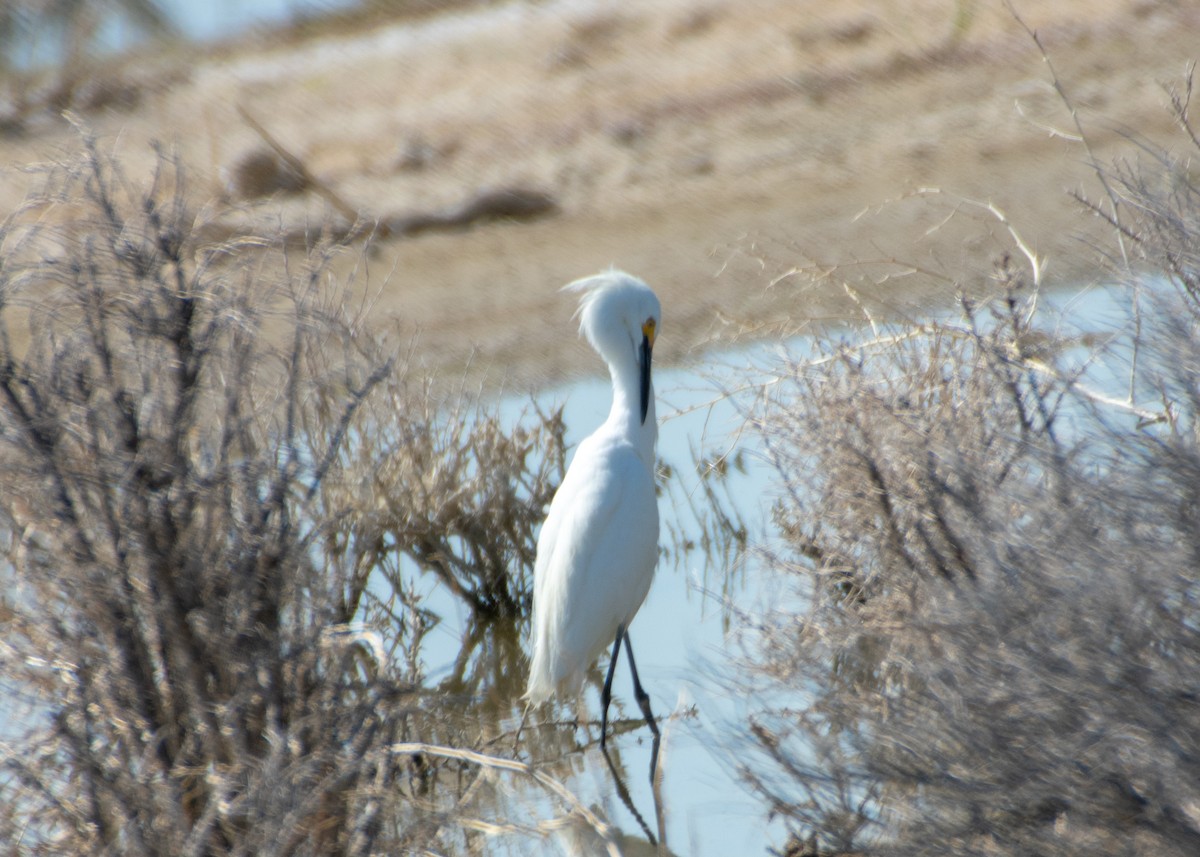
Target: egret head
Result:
[[620, 316]]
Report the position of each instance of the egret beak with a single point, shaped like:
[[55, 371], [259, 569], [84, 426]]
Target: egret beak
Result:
[[647, 349]]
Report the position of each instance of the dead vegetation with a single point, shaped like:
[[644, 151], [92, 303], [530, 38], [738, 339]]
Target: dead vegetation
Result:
[[211, 477], [993, 530], [218, 492]]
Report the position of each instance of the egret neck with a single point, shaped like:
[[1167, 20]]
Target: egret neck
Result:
[[625, 418]]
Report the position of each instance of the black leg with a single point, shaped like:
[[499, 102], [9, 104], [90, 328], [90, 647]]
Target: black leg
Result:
[[643, 701], [606, 691]]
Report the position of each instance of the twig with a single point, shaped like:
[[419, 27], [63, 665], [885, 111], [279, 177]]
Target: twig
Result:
[[1147, 417], [602, 828], [1070, 105], [1035, 262], [1113, 200], [340, 205], [1049, 129], [1182, 104]]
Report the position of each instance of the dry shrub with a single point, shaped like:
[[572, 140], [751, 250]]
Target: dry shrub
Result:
[[167, 622], [457, 492], [999, 646], [189, 661]]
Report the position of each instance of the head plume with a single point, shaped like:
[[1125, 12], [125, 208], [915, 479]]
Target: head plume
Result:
[[613, 304]]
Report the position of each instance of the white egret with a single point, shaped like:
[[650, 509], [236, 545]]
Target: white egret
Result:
[[598, 547]]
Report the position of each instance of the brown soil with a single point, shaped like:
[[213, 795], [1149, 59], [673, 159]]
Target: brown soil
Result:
[[710, 147]]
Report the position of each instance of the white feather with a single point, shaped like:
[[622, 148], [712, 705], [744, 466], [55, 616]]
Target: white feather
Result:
[[599, 544]]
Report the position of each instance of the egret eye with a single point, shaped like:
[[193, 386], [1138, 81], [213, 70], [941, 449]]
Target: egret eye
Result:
[[648, 329], [599, 544]]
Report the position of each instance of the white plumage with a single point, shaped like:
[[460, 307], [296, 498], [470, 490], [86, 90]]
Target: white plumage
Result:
[[598, 547]]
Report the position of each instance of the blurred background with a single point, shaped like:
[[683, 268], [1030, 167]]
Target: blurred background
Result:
[[713, 150], [286, 384]]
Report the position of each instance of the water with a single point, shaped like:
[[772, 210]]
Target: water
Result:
[[686, 651], [207, 22], [41, 44], [680, 632], [199, 23], [680, 635]]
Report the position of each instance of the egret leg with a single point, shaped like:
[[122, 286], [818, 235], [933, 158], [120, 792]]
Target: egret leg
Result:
[[606, 691], [643, 701]]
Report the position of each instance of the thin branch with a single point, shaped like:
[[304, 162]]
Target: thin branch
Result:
[[603, 829], [334, 198]]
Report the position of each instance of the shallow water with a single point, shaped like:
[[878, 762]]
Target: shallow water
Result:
[[686, 653], [201, 23], [193, 22], [688, 649], [680, 637]]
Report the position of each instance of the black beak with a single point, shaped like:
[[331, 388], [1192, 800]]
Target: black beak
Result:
[[646, 349]]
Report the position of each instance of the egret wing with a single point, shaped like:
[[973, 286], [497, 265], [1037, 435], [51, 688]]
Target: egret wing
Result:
[[595, 562]]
